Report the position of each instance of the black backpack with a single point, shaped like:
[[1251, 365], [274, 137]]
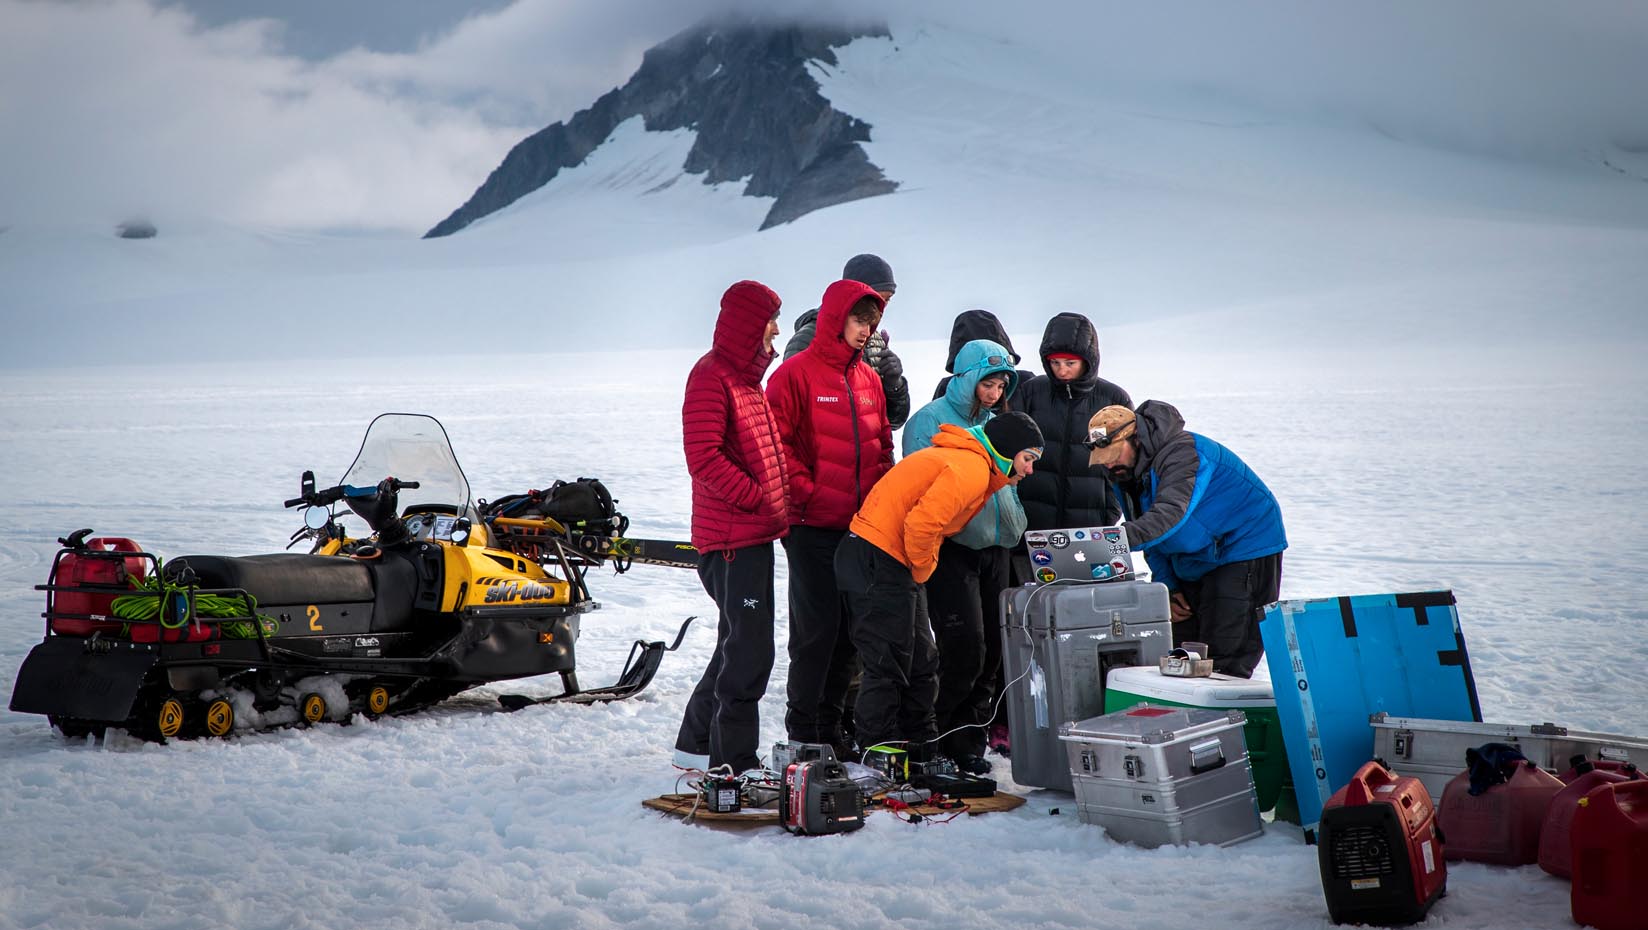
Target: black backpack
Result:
[[585, 505]]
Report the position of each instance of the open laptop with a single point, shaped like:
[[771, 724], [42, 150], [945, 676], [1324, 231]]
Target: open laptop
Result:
[[1081, 553]]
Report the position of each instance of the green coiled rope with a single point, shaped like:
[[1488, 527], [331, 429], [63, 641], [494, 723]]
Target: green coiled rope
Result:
[[151, 594]]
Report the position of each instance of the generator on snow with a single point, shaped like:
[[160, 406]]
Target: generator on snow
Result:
[[1379, 850], [819, 798]]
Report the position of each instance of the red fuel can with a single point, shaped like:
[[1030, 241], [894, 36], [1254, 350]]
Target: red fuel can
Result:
[[1556, 836], [102, 575], [1501, 825], [1581, 765], [1610, 855]]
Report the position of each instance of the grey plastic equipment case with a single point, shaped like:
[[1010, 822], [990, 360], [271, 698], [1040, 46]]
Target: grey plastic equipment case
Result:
[[1155, 775], [1058, 642], [1433, 751]]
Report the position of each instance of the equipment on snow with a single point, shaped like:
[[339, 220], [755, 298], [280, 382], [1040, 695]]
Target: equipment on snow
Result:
[[818, 798], [436, 600], [1610, 871], [1160, 775], [1499, 824], [1059, 642], [1379, 850], [1556, 854], [1431, 750]]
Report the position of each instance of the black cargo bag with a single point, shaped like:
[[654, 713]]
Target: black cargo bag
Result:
[[585, 504]]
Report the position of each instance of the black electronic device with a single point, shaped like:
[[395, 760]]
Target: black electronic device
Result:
[[722, 794], [954, 784]]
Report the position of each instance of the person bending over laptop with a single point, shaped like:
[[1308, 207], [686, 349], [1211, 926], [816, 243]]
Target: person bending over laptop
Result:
[[1209, 528], [892, 546]]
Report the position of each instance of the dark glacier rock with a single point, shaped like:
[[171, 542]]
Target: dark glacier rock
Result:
[[745, 89]]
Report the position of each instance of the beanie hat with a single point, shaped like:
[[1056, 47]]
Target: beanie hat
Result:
[[872, 270], [1010, 434], [1067, 356], [1116, 422]]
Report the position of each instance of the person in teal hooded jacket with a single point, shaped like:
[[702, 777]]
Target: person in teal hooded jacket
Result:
[[963, 595]]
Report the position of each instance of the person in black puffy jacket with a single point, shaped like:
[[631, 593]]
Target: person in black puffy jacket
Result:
[[1066, 491], [979, 324]]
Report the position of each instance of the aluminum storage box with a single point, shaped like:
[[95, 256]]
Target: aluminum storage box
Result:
[[1126, 687], [1433, 751], [1155, 775], [1058, 643]]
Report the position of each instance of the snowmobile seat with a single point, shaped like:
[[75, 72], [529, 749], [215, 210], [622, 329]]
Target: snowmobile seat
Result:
[[278, 578]]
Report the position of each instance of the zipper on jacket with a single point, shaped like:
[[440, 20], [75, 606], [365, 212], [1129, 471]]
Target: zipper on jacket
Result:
[[852, 409], [1062, 518]]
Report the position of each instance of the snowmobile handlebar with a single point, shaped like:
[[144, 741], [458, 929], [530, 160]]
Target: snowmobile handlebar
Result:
[[332, 495]]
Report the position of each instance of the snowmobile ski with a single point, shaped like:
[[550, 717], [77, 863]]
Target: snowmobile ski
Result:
[[642, 664]]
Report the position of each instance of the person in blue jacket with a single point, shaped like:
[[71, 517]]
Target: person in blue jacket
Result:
[[963, 595], [1209, 528]]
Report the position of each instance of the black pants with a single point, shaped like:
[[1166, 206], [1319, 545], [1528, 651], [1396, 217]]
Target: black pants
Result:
[[964, 602], [721, 718], [821, 646], [898, 683], [1226, 607]]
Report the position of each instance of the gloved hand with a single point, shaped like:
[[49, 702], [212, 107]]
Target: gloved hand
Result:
[[882, 359]]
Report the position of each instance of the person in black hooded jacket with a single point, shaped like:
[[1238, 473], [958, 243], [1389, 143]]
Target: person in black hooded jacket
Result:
[[1065, 490], [978, 324]]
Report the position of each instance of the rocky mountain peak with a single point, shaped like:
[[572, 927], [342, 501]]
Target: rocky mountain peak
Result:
[[745, 89]]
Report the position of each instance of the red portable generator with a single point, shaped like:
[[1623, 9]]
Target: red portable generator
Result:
[[1379, 851], [818, 798]]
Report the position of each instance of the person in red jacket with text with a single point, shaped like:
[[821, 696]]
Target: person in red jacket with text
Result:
[[738, 508], [832, 417]]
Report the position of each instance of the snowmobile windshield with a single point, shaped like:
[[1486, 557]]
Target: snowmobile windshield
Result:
[[411, 447]]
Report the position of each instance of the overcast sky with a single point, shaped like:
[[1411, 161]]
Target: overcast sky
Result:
[[386, 114]]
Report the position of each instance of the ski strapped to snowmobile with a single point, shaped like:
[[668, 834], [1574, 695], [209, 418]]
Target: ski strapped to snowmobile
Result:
[[437, 600]]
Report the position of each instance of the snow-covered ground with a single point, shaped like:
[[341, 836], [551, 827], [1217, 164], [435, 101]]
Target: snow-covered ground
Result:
[[1432, 359], [1515, 485]]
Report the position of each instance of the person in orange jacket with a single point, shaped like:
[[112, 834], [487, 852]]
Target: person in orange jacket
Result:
[[892, 546]]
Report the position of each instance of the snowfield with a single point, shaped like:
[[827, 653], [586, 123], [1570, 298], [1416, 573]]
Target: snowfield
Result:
[[1391, 478], [1433, 360]]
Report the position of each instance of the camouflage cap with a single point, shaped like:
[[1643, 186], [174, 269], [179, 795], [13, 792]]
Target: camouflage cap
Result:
[[1108, 425]]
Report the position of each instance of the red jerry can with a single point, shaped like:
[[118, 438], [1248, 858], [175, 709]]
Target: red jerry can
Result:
[[1579, 765], [1501, 825], [102, 577], [1378, 850], [1610, 855], [1556, 836]]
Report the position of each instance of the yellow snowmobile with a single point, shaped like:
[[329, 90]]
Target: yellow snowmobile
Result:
[[443, 596]]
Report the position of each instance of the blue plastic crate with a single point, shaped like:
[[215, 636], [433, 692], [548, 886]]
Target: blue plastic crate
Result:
[[1336, 661]]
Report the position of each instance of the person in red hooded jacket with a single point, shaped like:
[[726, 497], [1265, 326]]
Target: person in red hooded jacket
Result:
[[738, 508], [832, 418]]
